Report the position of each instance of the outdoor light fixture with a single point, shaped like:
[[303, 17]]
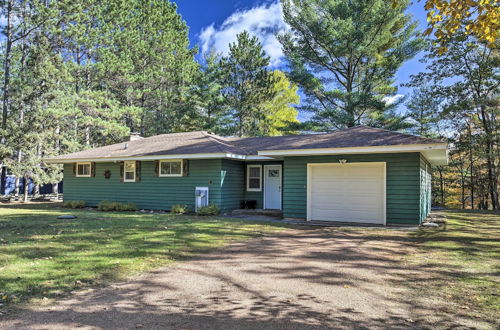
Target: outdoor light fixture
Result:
[[342, 161]]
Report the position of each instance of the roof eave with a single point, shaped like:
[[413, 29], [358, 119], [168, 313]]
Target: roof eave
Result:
[[436, 153], [151, 157]]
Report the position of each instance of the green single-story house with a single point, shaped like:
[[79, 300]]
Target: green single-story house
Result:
[[360, 174]]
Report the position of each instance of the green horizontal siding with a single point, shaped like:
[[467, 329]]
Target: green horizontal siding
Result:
[[232, 184], [425, 188], [226, 180], [402, 186], [151, 192]]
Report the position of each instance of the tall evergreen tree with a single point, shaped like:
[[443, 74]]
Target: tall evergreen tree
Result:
[[424, 110], [145, 60], [345, 54], [21, 21], [210, 100], [247, 84], [79, 74]]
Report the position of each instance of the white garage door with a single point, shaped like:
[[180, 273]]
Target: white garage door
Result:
[[346, 192]]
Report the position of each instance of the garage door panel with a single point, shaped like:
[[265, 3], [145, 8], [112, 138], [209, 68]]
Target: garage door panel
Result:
[[352, 188], [345, 181], [347, 192], [369, 206], [354, 201], [345, 216]]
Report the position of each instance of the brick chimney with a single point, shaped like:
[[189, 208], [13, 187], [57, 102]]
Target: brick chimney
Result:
[[135, 136]]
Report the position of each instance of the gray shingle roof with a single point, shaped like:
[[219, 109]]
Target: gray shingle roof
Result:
[[202, 142], [358, 136], [165, 144]]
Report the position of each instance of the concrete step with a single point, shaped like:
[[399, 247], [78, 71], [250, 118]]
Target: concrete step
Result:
[[267, 213]]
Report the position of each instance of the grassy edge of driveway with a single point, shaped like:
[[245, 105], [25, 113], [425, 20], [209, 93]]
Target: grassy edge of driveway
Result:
[[42, 258], [460, 264]]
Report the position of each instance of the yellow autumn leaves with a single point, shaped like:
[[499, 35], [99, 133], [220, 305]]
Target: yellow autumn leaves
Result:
[[480, 18]]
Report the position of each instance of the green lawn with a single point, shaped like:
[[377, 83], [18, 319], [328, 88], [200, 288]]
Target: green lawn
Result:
[[462, 262], [41, 256]]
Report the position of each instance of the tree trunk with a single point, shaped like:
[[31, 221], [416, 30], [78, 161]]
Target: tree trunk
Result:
[[143, 115], [6, 73], [55, 190], [1, 173], [441, 186], [462, 183], [471, 161], [36, 191], [492, 181], [490, 158], [240, 130], [6, 76], [26, 188], [16, 183], [58, 140], [87, 136]]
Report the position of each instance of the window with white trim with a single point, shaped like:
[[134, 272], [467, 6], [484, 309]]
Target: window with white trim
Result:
[[171, 167], [83, 170], [254, 177], [129, 171]]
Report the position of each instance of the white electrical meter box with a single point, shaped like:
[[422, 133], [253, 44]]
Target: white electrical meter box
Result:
[[201, 197]]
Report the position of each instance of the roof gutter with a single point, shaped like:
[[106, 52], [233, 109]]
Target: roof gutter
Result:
[[152, 157], [436, 154], [156, 157]]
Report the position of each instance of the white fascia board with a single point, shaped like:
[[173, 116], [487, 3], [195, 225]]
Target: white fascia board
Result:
[[437, 150], [436, 156], [156, 157], [250, 157]]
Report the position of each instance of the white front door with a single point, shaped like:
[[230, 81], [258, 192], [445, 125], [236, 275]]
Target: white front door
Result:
[[272, 187]]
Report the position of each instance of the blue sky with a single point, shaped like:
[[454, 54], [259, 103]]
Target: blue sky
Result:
[[213, 24]]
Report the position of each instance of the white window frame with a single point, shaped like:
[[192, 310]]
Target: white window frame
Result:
[[125, 171], [248, 177], [171, 161], [84, 175]]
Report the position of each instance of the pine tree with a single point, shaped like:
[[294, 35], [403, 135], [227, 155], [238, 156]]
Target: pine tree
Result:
[[247, 84], [424, 110], [144, 60], [345, 54], [210, 100]]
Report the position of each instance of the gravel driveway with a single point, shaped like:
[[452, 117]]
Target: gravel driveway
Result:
[[296, 279]]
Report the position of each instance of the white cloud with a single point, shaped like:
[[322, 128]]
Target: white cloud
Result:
[[392, 99], [263, 21], [3, 20]]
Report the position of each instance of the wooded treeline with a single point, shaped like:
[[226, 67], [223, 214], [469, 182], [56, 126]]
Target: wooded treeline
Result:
[[458, 99], [79, 74]]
